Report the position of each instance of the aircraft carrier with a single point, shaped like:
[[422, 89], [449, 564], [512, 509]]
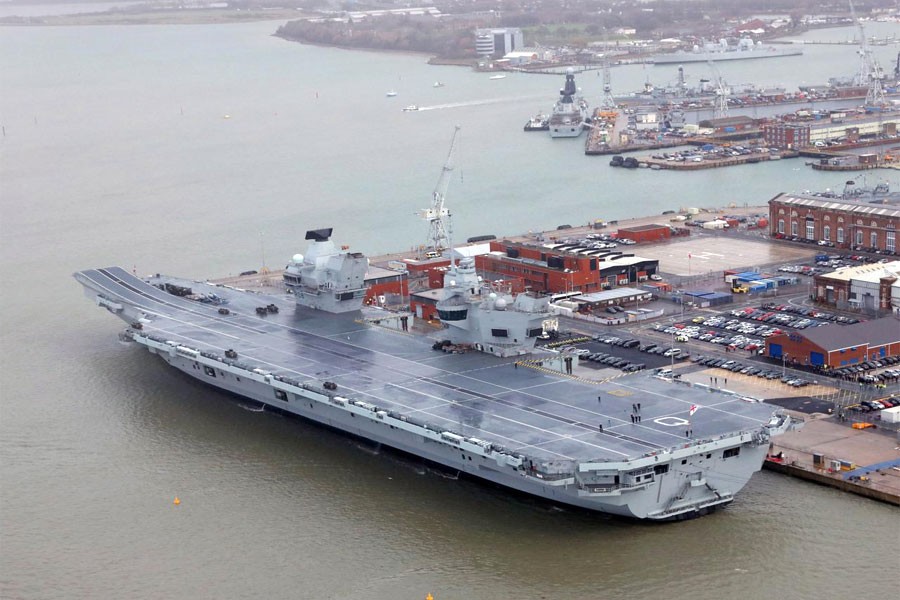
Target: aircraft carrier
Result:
[[476, 396]]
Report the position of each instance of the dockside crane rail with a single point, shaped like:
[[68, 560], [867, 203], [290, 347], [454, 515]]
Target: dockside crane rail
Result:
[[438, 215]]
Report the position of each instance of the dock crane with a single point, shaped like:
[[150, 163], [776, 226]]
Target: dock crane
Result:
[[870, 73], [607, 102], [721, 106], [438, 215]]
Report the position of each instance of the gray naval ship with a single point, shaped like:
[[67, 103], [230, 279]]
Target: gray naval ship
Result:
[[475, 396], [570, 113]]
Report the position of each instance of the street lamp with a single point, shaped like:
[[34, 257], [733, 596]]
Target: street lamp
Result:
[[672, 350], [783, 365]]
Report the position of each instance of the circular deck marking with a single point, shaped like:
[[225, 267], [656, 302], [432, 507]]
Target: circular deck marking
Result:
[[671, 421]]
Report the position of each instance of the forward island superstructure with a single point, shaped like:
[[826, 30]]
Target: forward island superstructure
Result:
[[463, 397]]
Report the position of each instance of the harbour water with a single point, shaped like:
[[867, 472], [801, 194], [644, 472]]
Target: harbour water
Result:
[[208, 150]]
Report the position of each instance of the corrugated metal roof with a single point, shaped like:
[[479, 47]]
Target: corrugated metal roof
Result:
[[862, 208], [832, 337], [865, 272]]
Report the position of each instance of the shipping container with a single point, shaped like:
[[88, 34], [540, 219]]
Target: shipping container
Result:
[[891, 415]]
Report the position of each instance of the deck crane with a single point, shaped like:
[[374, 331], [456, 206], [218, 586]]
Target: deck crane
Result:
[[438, 215], [721, 107]]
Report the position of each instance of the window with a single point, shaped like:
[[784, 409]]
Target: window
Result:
[[810, 230], [873, 239], [793, 227], [660, 469], [889, 240], [840, 235], [781, 226], [281, 395], [731, 452], [859, 238], [826, 233]]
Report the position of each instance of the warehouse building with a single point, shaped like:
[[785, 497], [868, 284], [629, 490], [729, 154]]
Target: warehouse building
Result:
[[645, 233], [836, 346], [561, 267], [868, 224], [865, 287]]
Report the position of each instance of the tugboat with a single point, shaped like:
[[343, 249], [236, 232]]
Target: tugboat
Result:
[[539, 122], [569, 113]]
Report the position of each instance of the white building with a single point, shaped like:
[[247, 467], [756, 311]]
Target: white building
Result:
[[493, 42]]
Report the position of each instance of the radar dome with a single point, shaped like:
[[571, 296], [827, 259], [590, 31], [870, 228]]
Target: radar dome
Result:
[[298, 258], [500, 303], [492, 296], [452, 283]]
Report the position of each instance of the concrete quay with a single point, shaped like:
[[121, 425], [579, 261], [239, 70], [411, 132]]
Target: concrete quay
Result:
[[691, 165], [876, 457]]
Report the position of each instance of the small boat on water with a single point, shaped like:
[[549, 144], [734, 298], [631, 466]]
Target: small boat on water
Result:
[[539, 122], [498, 77], [438, 84], [410, 108], [391, 94]]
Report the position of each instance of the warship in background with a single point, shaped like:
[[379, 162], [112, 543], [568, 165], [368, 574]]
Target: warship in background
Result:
[[721, 51], [570, 113]]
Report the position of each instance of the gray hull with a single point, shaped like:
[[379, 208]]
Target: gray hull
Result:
[[638, 501]]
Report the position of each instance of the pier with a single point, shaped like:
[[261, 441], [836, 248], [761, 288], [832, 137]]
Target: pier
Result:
[[832, 453], [696, 165]]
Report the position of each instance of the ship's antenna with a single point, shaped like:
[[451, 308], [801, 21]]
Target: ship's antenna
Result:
[[438, 215]]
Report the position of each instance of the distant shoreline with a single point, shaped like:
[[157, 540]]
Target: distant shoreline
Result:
[[155, 17]]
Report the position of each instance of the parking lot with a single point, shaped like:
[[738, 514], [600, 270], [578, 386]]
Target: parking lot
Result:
[[625, 354]]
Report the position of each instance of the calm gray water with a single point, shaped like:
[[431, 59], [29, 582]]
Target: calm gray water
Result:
[[117, 151]]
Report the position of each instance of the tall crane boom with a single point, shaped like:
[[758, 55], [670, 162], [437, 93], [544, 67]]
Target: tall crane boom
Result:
[[438, 215], [721, 106]]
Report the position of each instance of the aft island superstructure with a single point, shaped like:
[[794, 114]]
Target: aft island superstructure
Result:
[[472, 396]]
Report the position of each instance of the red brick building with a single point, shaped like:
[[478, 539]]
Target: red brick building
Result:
[[837, 346], [559, 268], [787, 136], [385, 283], [645, 233], [844, 222]]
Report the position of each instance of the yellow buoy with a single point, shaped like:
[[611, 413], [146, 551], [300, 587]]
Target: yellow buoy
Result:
[[429, 596], [176, 501]]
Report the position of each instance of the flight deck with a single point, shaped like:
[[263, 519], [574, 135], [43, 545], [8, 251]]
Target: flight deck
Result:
[[543, 415]]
